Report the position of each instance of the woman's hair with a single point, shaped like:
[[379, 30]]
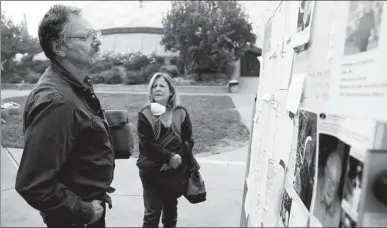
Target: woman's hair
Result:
[[173, 100], [54, 26]]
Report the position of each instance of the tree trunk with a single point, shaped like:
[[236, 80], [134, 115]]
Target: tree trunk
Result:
[[231, 70]]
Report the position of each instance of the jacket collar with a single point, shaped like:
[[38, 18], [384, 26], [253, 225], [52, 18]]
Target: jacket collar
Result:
[[70, 75]]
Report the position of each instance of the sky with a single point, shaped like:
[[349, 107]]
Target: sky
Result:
[[258, 12], [34, 11]]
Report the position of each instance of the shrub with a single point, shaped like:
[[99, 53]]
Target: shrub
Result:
[[37, 66], [14, 78], [148, 71], [32, 77], [157, 59], [174, 60], [115, 75], [22, 72], [194, 76], [209, 78], [179, 63], [136, 61], [41, 66], [97, 78], [170, 69], [99, 66], [133, 77]]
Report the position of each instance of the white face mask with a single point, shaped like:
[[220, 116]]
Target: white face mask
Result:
[[157, 109]]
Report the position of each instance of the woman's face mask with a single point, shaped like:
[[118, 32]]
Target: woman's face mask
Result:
[[157, 109]]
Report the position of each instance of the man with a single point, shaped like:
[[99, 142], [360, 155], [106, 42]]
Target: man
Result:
[[328, 204], [68, 162]]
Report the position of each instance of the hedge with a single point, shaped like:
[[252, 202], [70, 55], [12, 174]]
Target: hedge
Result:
[[112, 68]]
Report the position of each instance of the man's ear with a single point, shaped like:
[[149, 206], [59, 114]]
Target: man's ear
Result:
[[57, 48]]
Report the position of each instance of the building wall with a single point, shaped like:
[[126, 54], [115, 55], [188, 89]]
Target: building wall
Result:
[[133, 42]]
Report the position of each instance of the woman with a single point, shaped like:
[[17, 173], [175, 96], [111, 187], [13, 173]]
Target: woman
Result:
[[163, 169]]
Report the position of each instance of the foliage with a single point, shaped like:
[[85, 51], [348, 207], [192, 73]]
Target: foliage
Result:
[[97, 78], [148, 71], [136, 61], [157, 59], [170, 69], [14, 78], [28, 71], [133, 77], [13, 42], [207, 34], [142, 76], [40, 66], [113, 76], [32, 77], [102, 65]]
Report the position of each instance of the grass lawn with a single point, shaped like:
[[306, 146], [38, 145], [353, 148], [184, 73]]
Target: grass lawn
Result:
[[217, 125]]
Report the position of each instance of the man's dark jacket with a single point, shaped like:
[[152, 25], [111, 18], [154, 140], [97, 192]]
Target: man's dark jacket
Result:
[[68, 159]]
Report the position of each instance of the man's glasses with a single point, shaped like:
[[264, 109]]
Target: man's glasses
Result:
[[95, 34]]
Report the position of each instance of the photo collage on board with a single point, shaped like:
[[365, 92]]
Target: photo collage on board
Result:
[[333, 183]]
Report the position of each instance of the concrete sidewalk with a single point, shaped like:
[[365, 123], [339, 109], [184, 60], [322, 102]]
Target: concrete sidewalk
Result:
[[224, 183]]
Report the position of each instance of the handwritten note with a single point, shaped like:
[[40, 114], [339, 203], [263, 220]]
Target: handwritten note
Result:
[[295, 92]]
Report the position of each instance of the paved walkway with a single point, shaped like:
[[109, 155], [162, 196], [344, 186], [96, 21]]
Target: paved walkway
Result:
[[223, 173]]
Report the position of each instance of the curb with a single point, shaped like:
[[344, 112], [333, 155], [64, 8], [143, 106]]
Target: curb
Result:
[[11, 157], [133, 88]]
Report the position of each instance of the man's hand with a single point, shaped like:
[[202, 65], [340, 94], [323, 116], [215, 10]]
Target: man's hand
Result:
[[175, 161], [98, 211], [165, 167]]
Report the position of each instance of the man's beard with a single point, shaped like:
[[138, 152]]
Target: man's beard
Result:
[[95, 58]]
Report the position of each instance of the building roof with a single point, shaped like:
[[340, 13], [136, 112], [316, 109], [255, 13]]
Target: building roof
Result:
[[149, 30]]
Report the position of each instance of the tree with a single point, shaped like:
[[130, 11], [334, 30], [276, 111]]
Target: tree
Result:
[[12, 42], [207, 34]]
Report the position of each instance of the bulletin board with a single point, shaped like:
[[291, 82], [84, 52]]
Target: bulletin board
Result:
[[318, 146]]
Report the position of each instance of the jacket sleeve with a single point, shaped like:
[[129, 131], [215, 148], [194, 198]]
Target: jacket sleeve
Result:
[[147, 139], [51, 132]]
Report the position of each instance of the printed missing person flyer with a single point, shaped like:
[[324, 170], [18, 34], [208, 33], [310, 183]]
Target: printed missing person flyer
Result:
[[332, 159], [359, 85]]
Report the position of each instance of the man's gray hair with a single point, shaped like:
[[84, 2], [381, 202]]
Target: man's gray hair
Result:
[[54, 25]]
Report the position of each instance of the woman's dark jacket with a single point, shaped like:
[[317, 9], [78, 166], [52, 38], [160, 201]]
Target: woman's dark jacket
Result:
[[152, 155]]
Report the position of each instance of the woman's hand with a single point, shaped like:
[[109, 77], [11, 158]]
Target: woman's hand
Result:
[[175, 161], [165, 167]]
